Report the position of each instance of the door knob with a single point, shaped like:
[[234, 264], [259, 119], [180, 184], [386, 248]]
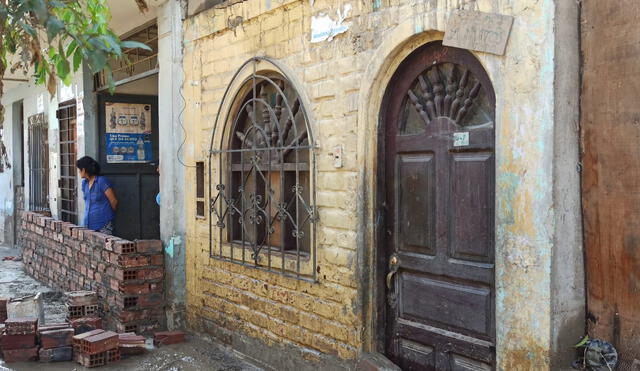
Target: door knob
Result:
[[393, 269]]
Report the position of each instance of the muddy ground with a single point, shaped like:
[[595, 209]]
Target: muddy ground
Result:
[[195, 354]]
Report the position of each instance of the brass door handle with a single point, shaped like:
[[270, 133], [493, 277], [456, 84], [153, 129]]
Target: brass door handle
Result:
[[393, 269]]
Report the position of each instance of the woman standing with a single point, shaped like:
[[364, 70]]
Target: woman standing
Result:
[[100, 201]]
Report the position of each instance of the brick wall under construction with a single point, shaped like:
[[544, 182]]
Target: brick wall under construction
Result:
[[127, 275]]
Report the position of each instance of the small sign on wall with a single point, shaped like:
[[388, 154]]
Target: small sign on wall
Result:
[[128, 133], [461, 139], [473, 30]]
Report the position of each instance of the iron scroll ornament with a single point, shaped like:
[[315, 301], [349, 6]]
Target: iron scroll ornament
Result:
[[262, 202]]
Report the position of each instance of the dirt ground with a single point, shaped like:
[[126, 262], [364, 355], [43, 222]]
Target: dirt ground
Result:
[[193, 355]]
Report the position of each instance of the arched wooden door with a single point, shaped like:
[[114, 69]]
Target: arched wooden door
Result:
[[439, 176]]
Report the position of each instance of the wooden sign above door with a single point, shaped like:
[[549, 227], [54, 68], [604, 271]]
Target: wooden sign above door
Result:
[[473, 30]]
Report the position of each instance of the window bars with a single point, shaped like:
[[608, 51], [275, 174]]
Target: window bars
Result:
[[262, 203], [38, 163], [67, 183]]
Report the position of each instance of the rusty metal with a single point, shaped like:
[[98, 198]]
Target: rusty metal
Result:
[[38, 163], [262, 203]]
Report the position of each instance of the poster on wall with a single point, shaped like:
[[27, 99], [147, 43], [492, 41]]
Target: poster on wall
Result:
[[128, 133]]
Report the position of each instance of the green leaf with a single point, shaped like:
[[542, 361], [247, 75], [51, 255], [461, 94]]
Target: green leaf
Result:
[[582, 342], [97, 60], [61, 50], [110, 83], [62, 68], [97, 44], [134, 44], [113, 44], [67, 79], [54, 26], [71, 48], [77, 59], [28, 29]]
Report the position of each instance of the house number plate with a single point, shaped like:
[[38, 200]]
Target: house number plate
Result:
[[461, 139]]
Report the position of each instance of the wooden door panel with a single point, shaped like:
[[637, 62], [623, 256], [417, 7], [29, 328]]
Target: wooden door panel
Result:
[[440, 243], [453, 268], [454, 306], [416, 356], [471, 199], [441, 341], [415, 200], [461, 363]]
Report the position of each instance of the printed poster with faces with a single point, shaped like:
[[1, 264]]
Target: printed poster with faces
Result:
[[128, 133]]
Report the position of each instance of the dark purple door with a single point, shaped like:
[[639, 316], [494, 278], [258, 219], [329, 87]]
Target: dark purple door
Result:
[[439, 178]]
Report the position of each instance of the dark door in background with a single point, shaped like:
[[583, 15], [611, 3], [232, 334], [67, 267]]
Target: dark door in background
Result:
[[68, 182], [439, 173], [135, 184], [610, 129]]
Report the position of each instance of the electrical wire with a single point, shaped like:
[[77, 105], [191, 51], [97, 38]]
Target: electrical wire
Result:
[[181, 114], [184, 131]]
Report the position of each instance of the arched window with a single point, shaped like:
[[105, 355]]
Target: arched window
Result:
[[263, 202]]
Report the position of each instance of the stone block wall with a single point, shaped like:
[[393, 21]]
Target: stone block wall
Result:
[[127, 275], [343, 80]]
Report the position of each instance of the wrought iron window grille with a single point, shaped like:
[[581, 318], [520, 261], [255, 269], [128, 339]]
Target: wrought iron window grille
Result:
[[38, 163], [261, 176]]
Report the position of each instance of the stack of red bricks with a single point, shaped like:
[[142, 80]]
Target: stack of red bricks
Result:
[[56, 342], [126, 275], [96, 348], [131, 344], [82, 311], [19, 341]]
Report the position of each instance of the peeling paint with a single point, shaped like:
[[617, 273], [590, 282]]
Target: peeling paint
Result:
[[324, 27]]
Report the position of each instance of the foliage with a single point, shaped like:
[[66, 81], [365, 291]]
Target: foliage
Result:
[[52, 38], [55, 36]]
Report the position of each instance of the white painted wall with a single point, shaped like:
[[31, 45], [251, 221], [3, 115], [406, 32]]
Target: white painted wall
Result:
[[30, 93]]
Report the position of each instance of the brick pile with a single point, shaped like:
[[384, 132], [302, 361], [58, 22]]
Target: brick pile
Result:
[[131, 344], [126, 275], [56, 342], [168, 337], [19, 341], [96, 348], [82, 311]]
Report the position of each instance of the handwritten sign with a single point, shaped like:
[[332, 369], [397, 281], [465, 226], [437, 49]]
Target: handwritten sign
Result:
[[484, 32], [461, 139]]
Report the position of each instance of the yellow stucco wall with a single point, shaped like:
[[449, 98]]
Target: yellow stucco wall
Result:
[[343, 81]]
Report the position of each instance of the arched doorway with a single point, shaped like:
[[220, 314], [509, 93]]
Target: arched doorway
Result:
[[438, 177]]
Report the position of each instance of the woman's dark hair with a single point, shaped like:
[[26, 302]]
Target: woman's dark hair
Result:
[[91, 166]]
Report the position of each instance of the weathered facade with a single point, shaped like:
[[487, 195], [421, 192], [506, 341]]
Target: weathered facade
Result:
[[328, 305]]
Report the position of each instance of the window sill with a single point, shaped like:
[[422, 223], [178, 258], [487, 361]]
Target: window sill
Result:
[[233, 252]]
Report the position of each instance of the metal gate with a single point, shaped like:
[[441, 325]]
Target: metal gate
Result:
[[68, 153], [38, 163]]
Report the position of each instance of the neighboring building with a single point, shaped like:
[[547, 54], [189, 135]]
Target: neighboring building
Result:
[[376, 192], [609, 124], [127, 132]]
